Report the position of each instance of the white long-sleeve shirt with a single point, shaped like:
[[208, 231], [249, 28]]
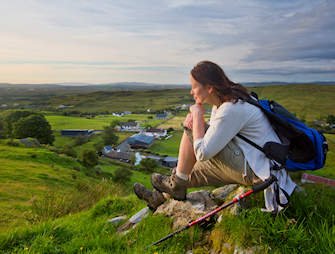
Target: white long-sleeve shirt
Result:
[[241, 117]]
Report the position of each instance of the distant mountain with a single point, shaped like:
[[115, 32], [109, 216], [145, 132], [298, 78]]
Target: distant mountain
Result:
[[280, 83], [126, 86]]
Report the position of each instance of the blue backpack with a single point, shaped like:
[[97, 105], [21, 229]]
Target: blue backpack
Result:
[[302, 147]]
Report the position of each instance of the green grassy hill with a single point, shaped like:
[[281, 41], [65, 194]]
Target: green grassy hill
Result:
[[29, 176], [49, 203]]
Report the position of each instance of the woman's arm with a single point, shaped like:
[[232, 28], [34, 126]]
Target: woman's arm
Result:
[[198, 130], [224, 126]]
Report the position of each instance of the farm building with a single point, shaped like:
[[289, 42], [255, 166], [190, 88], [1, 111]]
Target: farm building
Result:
[[170, 162], [75, 133], [162, 116], [140, 141], [109, 152], [128, 126], [157, 133]]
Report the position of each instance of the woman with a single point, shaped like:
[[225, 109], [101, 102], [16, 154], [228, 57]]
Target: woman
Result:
[[213, 155]]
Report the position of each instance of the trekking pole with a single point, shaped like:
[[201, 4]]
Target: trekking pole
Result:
[[254, 189]]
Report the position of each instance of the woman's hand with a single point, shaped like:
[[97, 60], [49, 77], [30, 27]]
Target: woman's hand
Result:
[[188, 122], [197, 109]]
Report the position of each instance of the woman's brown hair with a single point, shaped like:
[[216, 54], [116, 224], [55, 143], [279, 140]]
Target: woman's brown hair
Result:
[[209, 73]]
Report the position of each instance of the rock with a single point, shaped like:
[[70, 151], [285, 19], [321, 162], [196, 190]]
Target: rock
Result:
[[201, 200], [181, 211], [116, 220], [219, 195], [136, 218], [197, 204], [30, 142]]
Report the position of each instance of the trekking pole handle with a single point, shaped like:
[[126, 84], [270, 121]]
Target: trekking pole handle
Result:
[[265, 184]]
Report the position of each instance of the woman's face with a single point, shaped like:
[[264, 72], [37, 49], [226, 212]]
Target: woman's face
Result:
[[199, 92]]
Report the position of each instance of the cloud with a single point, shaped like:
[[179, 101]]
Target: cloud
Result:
[[308, 34], [161, 41]]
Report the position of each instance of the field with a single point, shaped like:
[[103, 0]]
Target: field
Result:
[[168, 147], [97, 123]]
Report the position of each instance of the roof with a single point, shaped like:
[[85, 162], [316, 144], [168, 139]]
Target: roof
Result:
[[78, 130], [170, 159], [141, 138], [161, 115], [128, 124], [155, 130], [118, 155]]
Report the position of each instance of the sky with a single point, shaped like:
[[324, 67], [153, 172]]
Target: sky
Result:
[[106, 41]]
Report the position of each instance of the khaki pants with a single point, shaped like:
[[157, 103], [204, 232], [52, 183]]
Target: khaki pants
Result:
[[227, 167]]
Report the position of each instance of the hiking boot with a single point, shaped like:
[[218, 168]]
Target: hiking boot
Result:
[[153, 198], [172, 185]]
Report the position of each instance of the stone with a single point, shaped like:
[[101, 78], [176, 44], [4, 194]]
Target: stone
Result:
[[201, 200], [30, 142], [136, 218], [219, 195], [117, 220], [182, 212]]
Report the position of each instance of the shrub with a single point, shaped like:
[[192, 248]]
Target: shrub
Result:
[[69, 151], [89, 158], [122, 175], [13, 143], [80, 140], [148, 165], [108, 136]]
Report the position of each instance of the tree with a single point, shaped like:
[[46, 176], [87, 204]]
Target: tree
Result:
[[34, 126], [89, 158], [148, 165], [12, 117], [109, 136]]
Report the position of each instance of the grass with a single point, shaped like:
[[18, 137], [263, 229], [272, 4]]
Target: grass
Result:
[[175, 123], [89, 232], [296, 230], [305, 227], [59, 122], [328, 170], [168, 147], [27, 174]]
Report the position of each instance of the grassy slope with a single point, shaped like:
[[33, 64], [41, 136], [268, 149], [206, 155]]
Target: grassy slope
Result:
[[306, 227], [27, 174]]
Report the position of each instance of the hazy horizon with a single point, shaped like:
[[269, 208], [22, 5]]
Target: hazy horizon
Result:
[[100, 41]]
